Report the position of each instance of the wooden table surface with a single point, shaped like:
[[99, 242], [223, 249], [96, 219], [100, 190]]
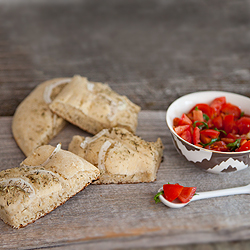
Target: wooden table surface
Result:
[[153, 52]]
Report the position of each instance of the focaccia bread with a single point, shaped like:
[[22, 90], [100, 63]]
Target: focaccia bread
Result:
[[93, 106], [33, 123], [120, 156], [44, 180]]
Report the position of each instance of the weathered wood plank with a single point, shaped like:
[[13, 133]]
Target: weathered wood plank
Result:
[[151, 51], [125, 216]]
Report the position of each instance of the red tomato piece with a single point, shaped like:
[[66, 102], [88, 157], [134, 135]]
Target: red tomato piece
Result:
[[190, 116], [217, 103], [243, 125], [208, 134], [185, 120], [218, 122], [196, 136], [172, 191], [180, 129], [243, 137], [229, 124], [176, 121], [243, 141], [186, 194], [210, 123], [228, 140], [187, 136], [205, 108], [244, 147], [198, 115], [232, 136], [218, 146], [230, 109]]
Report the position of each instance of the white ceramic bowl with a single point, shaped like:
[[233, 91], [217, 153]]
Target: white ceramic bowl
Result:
[[208, 160]]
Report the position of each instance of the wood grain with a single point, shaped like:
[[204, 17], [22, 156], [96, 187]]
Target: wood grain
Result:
[[125, 216], [151, 51]]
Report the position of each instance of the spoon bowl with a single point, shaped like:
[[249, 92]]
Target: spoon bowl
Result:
[[205, 195]]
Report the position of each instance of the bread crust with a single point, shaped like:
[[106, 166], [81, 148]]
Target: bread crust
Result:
[[45, 180], [93, 106], [120, 156], [33, 123]]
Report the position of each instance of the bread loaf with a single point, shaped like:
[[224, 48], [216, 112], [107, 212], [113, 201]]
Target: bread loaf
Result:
[[44, 180], [94, 106], [120, 156], [33, 123]]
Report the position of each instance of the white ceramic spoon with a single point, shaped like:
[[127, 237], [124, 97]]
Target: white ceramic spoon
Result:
[[206, 195]]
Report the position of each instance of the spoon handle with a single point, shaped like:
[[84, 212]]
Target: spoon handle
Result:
[[222, 192]]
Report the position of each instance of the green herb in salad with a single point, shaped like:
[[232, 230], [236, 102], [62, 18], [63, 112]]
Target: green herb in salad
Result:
[[220, 130], [206, 117], [211, 142], [204, 124], [234, 145], [156, 198]]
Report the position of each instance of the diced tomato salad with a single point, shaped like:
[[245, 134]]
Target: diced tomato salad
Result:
[[219, 126]]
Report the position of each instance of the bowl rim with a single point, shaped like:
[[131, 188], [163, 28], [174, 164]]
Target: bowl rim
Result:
[[196, 93]]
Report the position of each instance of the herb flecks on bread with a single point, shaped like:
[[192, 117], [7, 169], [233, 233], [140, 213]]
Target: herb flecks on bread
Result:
[[33, 123], [44, 180], [93, 106], [120, 156]]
